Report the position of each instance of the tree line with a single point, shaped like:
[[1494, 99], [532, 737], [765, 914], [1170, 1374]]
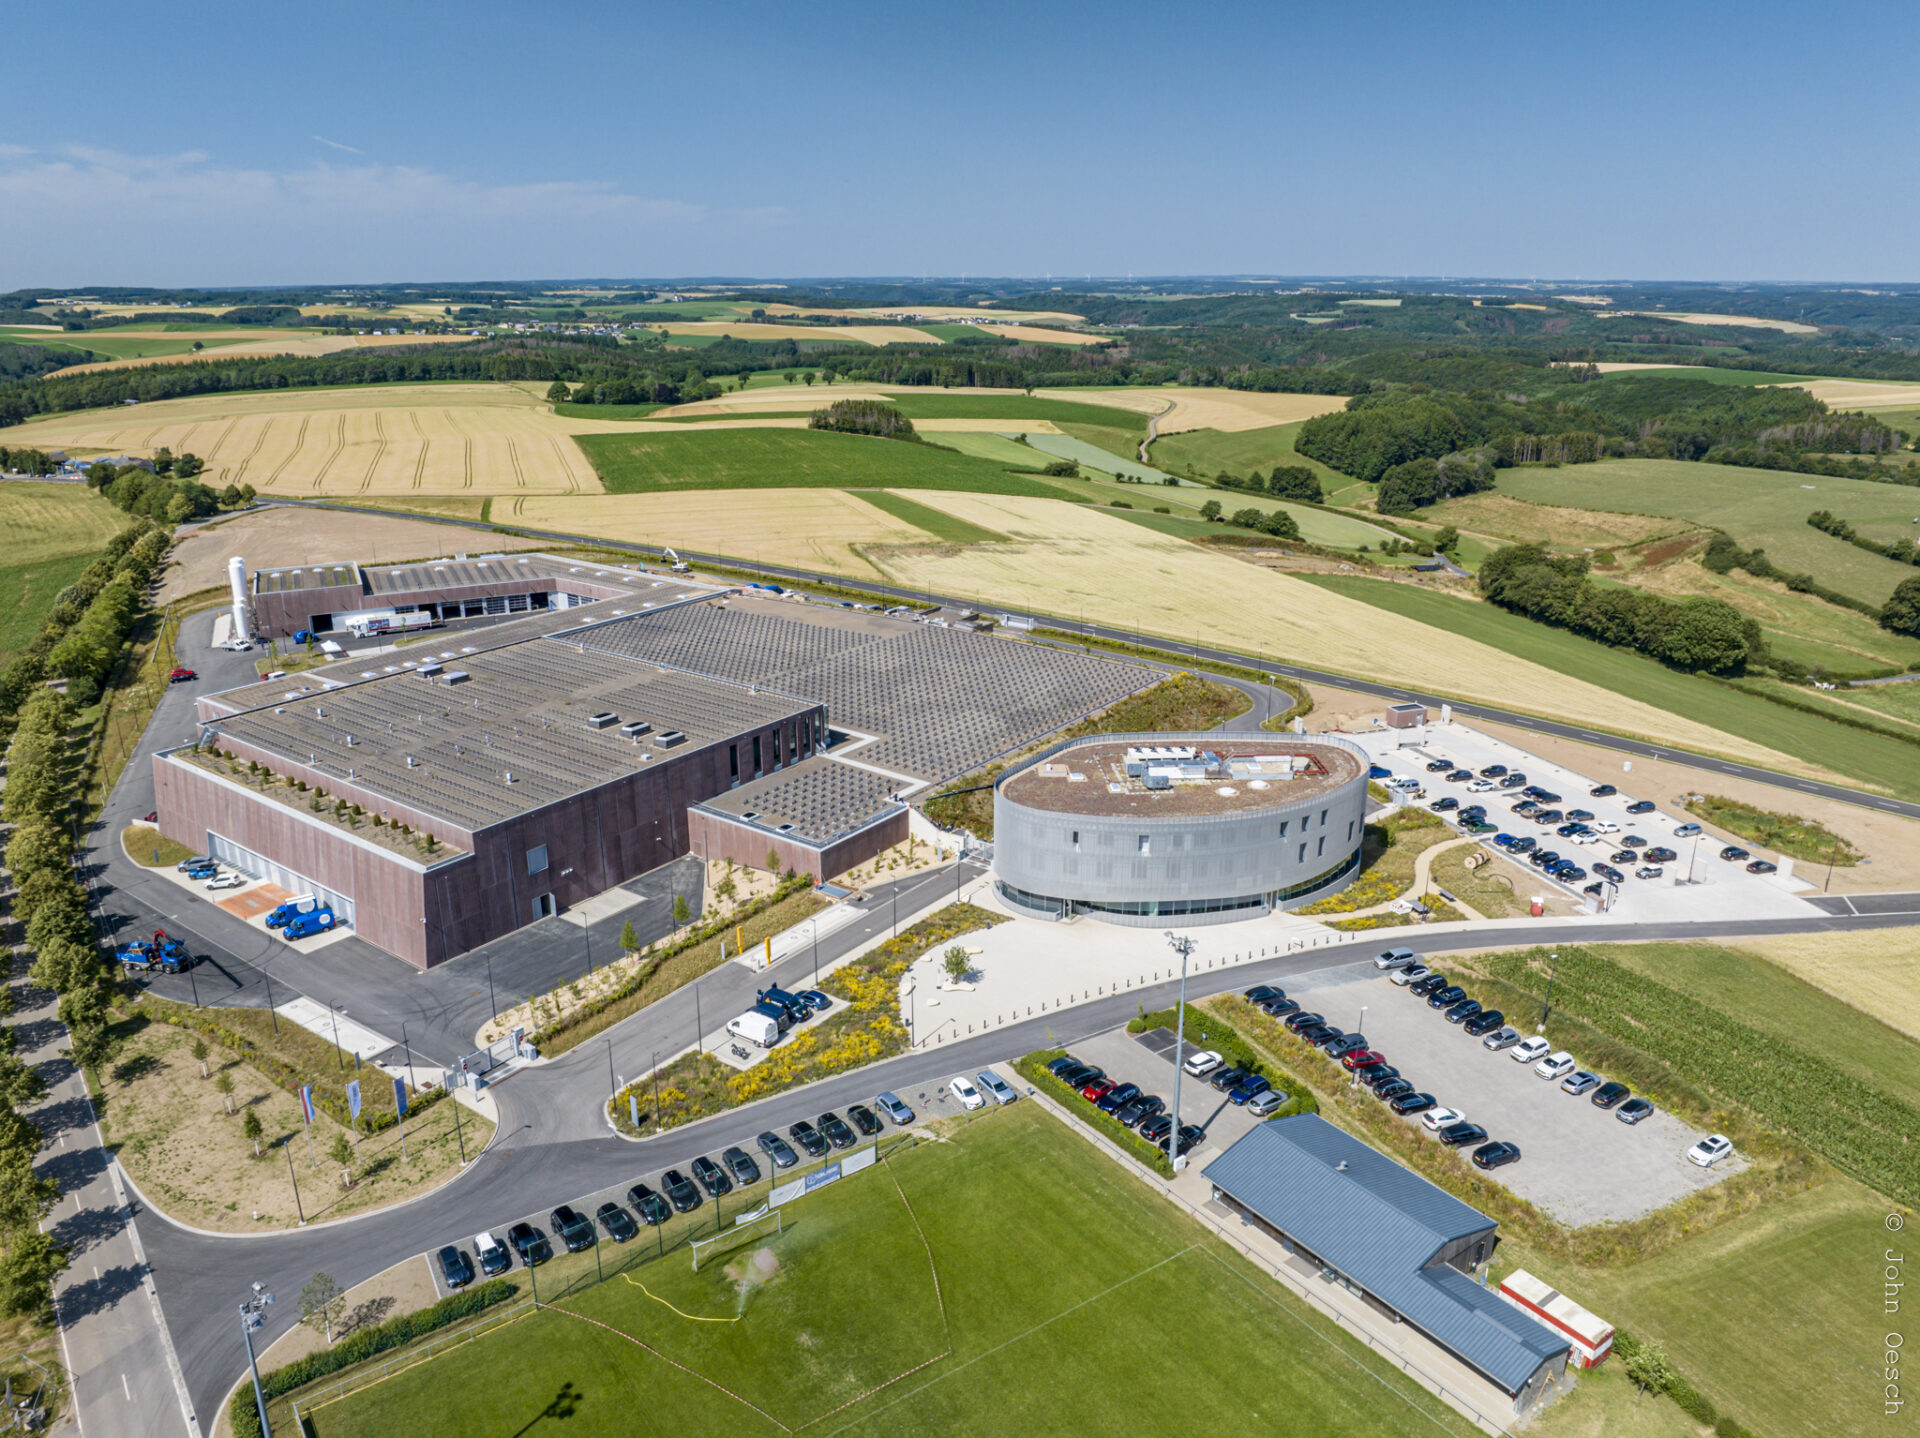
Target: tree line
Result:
[[863, 416], [1699, 635], [1288, 481]]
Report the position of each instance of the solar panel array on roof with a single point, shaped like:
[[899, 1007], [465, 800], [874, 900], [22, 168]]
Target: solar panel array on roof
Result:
[[942, 701], [815, 801]]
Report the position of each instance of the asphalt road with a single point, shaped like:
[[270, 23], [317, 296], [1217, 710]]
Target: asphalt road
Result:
[[1207, 654]]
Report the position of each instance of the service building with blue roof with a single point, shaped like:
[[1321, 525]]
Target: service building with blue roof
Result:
[[1403, 1244]]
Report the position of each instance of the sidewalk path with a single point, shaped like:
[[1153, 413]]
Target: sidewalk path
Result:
[[1422, 877]]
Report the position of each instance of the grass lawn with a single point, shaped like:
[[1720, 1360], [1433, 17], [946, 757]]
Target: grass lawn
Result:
[[1206, 452], [1033, 1305], [1902, 701], [1787, 833], [1758, 507], [935, 522], [27, 592], [1871, 758], [1003, 449], [785, 458], [1120, 440], [149, 847], [1797, 1280]]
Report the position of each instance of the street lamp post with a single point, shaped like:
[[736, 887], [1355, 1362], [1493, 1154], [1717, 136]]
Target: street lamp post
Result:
[[335, 1011], [250, 1319], [1183, 946]]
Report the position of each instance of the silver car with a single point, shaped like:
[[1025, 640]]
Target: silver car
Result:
[[1265, 1102], [1502, 1038], [995, 1087], [890, 1105], [1582, 1082]]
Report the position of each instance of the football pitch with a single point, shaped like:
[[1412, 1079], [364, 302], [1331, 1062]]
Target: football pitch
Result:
[[1007, 1278]]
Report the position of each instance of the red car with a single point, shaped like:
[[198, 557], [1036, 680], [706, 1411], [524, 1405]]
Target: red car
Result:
[[180, 676], [1363, 1058], [1098, 1090]]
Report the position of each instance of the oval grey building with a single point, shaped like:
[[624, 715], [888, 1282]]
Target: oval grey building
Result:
[[1143, 829]]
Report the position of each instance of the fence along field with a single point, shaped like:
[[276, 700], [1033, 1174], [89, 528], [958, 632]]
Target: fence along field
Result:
[[376, 439]]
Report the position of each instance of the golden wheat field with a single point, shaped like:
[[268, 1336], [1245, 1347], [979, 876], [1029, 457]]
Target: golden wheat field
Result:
[[1873, 971], [814, 528], [1229, 410], [379, 439], [1071, 560], [250, 342], [755, 330]]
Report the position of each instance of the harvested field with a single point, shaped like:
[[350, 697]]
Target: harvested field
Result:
[[369, 439], [1871, 971], [1222, 409], [1742, 322], [229, 344], [1038, 334], [815, 528], [749, 330], [1521, 520], [936, 314], [266, 538], [1068, 559], [1862, 393]]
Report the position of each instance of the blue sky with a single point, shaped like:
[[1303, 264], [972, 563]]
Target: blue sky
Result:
[[215, 143]]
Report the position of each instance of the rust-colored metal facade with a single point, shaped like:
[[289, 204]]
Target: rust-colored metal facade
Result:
[[279, 614], [716, 835]]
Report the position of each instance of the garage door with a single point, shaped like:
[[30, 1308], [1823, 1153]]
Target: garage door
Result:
[[258, 866]]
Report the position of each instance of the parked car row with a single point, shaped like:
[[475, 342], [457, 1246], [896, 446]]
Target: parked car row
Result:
[[1143, 1112], [678, 1193]]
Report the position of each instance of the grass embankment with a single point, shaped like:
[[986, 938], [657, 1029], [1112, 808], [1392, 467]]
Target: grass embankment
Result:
[[1033, 1304], [173, 1133], [27, 592], [862, 1028], [1178, 702], [1787, 834], [785, 458], [1301, 706], [49, 533], [1877, 759], [1389, 850], [152, 849], [565, 1023], [1486, 888]]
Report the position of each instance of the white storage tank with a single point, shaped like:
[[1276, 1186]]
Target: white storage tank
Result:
[[237, 579]]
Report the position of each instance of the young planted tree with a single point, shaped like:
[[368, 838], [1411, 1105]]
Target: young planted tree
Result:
[[341, 1152], [957, 963], [223, 1086], [251, 1126], [773, 861], [682, 911], [200, 1052], [629, 938], [321, 1304], [1648, 1367]]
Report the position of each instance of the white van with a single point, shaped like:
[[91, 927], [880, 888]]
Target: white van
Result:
[[755, 1028]]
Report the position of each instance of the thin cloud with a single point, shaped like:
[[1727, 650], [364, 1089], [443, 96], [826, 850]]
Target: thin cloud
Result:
[[335, 144]]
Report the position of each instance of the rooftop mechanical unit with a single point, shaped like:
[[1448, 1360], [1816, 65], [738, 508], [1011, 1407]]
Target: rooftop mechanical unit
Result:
[[670, 738], [605, 719]]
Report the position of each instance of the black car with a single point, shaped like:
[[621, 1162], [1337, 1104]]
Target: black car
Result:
[[1446, 998], [1226, 1078], [1569, 873], [1314, 1033], [1300, 1018], [1439, 766], [1582, 816], [1526, 808], [617, 1221], [1346, 1044], [1547, 816], [1661, 855], [1260, 993], [1546, 796], [1459, 1013], [1078, 1076], [1117, 1098], [1494, 771], [1156, 1128], [1622, 856], [1610, 1095], [1058, 1066], [455, 1267], [1496, 1155], [1432, 983], [1410, 1103], [530, 1243], [836, 1130], [1484, 1022], [1460, 776], [1632, 841], [573, 1227], [712, 1177], [745, 1171], [1191, 1137], [1280, 1008], [1609, 873], [651, 1207], [808, 1137], [777, 1149], [1139, 1110], [1641, 806], [1513, 781], [1376, 1074], [1733, 854], [1393, 1089], [1544, 858], [1440, 806], [1602, 791], [680, 1191], [1473, 811], [1762, 866], [1525, 844], [1455, 1134]]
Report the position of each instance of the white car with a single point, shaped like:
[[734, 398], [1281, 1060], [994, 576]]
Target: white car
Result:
[[1605, 826], [1528, 1050], [1393, 959], [1555, 1066], [226, 881], [970, 1098], [1438, 1118], [1710, 1150], [1412, 973], [1481, 786], [1203, 1063], [1584, 839]]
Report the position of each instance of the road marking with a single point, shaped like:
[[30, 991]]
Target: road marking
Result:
[[124, 1389]]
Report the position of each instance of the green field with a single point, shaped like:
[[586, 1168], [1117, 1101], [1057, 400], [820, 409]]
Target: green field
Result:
[[1002, 449], [1872, 759], [27, 592], [1758, 507], [791, 458], [1902, 701], [1209, 451], [606, 411], [938, 523], [958, 404], [1118, 440], [1057, 1275]]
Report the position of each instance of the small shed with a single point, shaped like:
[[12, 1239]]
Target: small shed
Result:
[[1406, 716], [1590, 1337]]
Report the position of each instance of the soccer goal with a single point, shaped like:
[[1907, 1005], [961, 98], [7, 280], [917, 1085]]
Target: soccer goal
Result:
[[744, 1231]]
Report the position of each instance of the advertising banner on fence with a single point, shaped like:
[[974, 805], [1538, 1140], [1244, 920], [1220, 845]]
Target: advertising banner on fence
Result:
[[820, 1178]]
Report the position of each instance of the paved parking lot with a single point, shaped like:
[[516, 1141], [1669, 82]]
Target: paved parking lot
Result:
[[1579, 1163]]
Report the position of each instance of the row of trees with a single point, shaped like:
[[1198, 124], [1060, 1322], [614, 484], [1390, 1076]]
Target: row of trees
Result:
[[25, 461], [132, 558], [863, 416], [1278, 523], [1288, 481], [1902, 550], [1704, 635], [168, 498]]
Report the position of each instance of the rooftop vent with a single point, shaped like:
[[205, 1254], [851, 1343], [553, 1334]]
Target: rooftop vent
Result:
[[634, 728], [410, 762], [605, 719], [509, 776], [428, 670], [670, 738], [454, 676]]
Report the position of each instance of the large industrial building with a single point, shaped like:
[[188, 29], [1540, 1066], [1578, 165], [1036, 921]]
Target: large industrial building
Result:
[[517, 769], [1200, 828]]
